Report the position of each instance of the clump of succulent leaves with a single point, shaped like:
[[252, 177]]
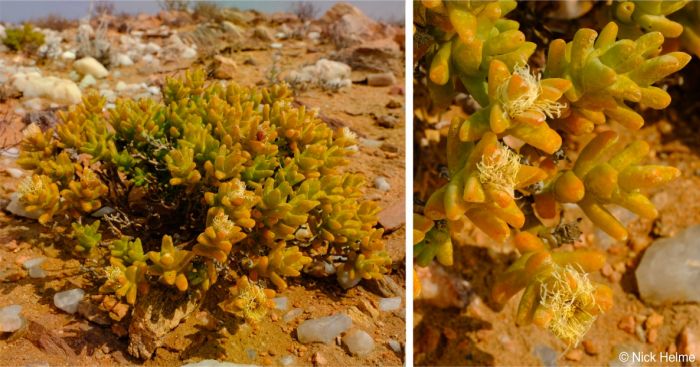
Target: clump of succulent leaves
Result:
[[507, 174], [215, 179], [23, 38]]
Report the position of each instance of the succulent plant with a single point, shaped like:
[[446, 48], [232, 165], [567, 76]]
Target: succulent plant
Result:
[[558, 295], [637, 17], [250, 301], [87, 236], [607, 73], [507, 173], [239, 178], [171, 264], [468, 36], [24, 38]]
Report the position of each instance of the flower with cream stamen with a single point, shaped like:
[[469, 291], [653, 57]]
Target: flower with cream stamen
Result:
[[568, 297], [528, 100], [500, 169]]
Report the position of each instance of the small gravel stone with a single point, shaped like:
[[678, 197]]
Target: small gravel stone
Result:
[[590, 347], [33, 267], [381, 79], [287, 360], [382, 183], [10, 318], [668, 271], [359, 342], [292, 314], [387, 121], [319, 360], [547, 355], [281, 303], [574, 355], [394, 345], [323, 329], [389, 304], [14, 172], [627, 324], [68, 300]]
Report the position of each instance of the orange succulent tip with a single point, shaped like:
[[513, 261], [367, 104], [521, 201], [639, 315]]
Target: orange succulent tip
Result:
[[542, 317], [537, 261], [568, 188], [528, 242]]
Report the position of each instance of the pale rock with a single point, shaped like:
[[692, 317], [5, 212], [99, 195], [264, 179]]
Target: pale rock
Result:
[[324, 329], [152, 48], [358, 342], [31, 263], [394, 345], [123, 60], [33, 266], [381, 79], [314, 36], [68, 300], [154, 90], [371, 143], [16, 207], [287, 360], [34, 104], [389, 304], [58, 90], [12, 152], [121, 86], [347, 26], [292, 314], [547, 355], [68, 56], [108, 94], [382, 184], [87, 81], [101, 212], [670, 269], [276, 45], [14, 172], [233, 30], [10, 318], [224, 67], [148, 59], [263, 34], [88, 65], [73, 75], [346, 281], [189, 53], [324, 73], [2, 31], [281, 303]]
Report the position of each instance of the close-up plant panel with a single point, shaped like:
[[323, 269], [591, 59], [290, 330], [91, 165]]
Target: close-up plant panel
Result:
[[552, 140]]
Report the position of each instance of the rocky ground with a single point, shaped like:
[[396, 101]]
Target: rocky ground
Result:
[[456, 324], [362, 89]]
